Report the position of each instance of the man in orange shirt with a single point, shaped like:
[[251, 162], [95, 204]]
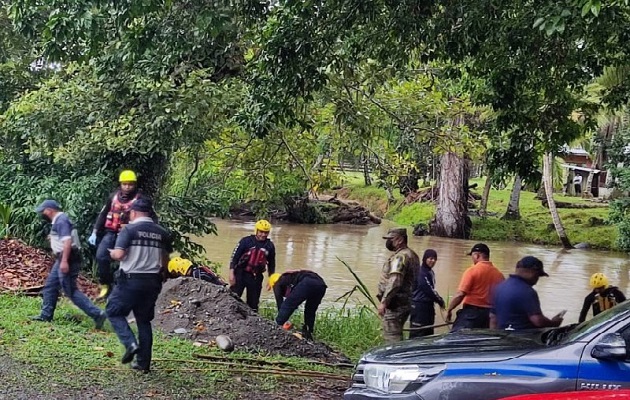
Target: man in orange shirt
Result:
[[475, 291]]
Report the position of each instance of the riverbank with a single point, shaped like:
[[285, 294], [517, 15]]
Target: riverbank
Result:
[[587, 225], [69, 359]]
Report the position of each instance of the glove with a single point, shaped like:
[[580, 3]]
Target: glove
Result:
[[92, 239]]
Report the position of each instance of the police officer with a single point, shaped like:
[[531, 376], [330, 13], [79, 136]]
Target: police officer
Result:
[[395, 284], [64, 242], [253, 255], [143, 249], [113, 216], [293, 288]]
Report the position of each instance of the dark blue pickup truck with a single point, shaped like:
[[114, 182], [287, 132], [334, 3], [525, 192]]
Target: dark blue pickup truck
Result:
[[492, 364]]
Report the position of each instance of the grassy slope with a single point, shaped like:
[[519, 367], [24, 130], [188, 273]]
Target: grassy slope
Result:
[[533, 226], [69, 356]]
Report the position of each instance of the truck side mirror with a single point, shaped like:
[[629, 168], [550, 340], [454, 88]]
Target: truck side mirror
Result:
[[610, 347]]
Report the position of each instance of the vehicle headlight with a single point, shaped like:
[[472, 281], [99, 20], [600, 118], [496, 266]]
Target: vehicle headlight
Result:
[[399, 378]]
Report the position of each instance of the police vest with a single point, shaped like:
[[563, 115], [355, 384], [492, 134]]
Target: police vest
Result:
[[118, 214]]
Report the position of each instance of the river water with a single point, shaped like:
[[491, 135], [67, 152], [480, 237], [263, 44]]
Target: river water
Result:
[[320, 247]]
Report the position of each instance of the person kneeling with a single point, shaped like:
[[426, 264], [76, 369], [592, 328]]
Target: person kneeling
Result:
[[293, 288], [178, 266]]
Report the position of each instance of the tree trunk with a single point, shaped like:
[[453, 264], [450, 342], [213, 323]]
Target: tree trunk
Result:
[[451, 215], [483, 207], [365, 161], [548, 182], [513, 210]]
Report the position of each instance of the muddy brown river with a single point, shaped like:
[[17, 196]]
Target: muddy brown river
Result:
[[318, 247]]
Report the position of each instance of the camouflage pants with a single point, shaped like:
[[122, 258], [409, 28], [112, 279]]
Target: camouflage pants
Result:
[[393, 322]]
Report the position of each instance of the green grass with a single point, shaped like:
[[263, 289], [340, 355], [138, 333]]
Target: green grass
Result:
[[350, 330], [533, 227], [69, 354]]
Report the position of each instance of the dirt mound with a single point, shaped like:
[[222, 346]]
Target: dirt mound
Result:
[[24, 269], [201, 311]]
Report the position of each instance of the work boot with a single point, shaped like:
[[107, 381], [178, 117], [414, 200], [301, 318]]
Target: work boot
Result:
[[100, 320], [40, 318], [306, 333], [104, 293], [138, 367], [129, 353]]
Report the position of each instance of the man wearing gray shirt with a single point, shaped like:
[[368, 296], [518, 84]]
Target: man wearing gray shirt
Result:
[[143, 248], [64, 242]]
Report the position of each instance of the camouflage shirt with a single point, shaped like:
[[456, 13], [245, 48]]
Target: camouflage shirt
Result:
[[397, 277]]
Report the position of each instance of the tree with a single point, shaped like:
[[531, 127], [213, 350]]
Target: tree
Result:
[[548, 182], [513, 211]]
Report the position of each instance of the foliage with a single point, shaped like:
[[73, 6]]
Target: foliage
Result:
[[25, 189], [5, 220], [619, 167]]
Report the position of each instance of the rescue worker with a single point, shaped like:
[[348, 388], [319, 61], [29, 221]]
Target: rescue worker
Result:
[[293, 288], [602, 297], [143, 248], [113, 216], [253, 255], [425, 297], [64, 242], [395, 284], [515, 302], [475, 291], [183, 267]]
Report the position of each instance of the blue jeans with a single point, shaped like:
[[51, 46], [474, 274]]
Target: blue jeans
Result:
[[105, 274], [68, 283], [138, 295]]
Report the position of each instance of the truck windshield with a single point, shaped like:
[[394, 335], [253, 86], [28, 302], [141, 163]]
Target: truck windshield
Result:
[[586, 327]]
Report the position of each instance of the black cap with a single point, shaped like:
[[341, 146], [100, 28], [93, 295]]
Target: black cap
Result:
[[142, 205], [531, 262], [480, 248], [392, 233], [48, 204]]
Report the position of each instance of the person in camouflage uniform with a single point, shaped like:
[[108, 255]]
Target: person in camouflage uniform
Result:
[[395, 285]]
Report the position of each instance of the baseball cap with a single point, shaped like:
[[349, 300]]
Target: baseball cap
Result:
[[480, 248], [531, 262], [142, 205], [48, 204], [392, 233]]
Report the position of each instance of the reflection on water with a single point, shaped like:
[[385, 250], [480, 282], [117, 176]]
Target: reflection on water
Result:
[[317, 247]]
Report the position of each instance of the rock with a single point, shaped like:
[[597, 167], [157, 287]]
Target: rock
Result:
[[582, 246], [224, 343], [593, 221], [420, 230], [180, 331]]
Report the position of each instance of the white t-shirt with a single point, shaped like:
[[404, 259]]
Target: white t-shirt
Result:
[[577, 180]]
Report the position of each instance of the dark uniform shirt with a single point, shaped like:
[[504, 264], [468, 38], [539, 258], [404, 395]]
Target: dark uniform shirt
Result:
[[424, 287], [601, 302], [397, 279], [289, 280], [246, 245], [513, 302], [145, 243]]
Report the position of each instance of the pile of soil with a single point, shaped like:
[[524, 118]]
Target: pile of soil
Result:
[[23, 269], [200, 311]]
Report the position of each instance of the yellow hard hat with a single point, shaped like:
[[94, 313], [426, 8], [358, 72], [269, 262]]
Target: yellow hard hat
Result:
[[262, 225], [127, 176], [179, 265], [273, 279], [598, 280]]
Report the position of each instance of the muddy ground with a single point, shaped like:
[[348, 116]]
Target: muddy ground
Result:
[[200, 311]]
